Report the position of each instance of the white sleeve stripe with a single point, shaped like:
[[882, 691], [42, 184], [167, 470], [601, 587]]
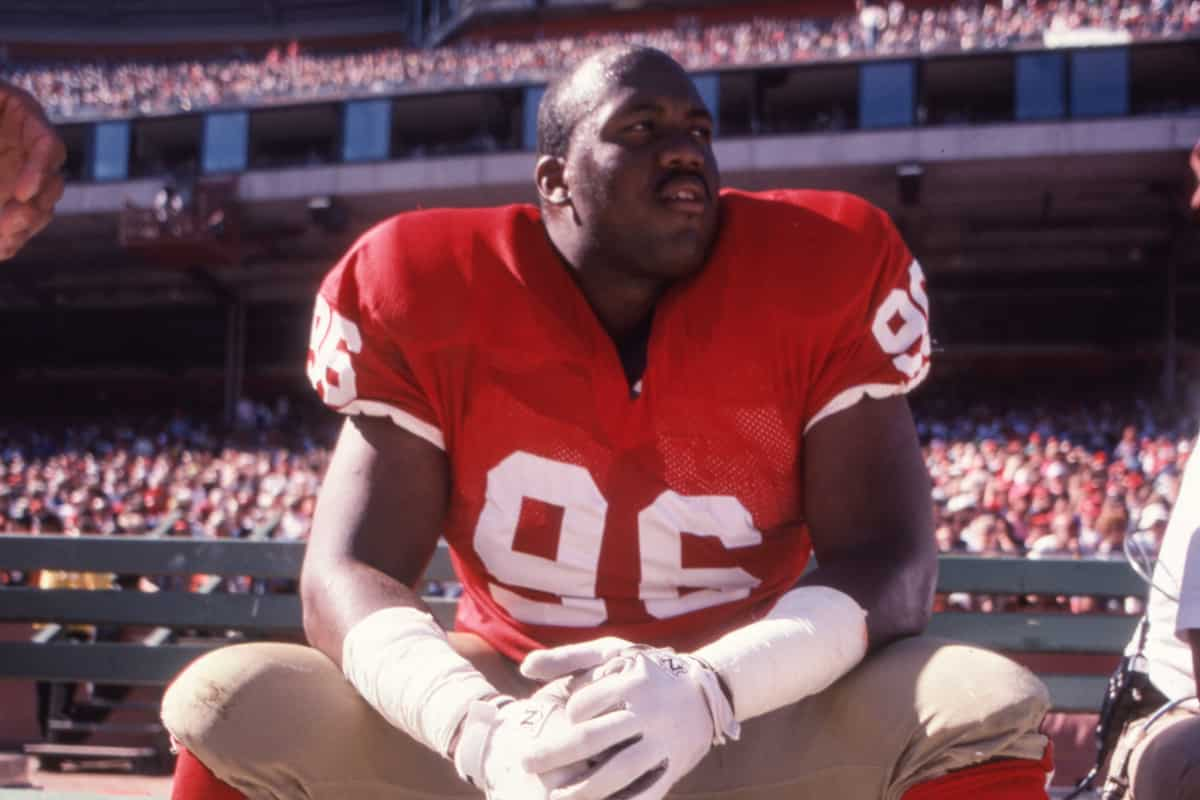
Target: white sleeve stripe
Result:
[[410, 423], [876, 391]]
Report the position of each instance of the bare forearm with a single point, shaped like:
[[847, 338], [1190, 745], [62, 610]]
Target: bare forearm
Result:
[[336, 594], [869, 516], [896, 592], [372, 534]]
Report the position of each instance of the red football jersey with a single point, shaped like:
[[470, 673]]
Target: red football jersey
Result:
[[667, 514]]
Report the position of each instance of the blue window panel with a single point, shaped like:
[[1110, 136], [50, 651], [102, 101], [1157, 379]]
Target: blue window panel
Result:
[[366, 130], [1100, 82], [1041, 86], [110, 150], [226, 142], [533, 96], [710, 92], [887, 93]]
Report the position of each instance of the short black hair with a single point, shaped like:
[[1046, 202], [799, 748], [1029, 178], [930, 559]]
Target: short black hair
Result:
[[562, 106], [555, 120]]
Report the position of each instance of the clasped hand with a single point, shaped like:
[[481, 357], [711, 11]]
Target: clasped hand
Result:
[[497, 734], [639, 720]]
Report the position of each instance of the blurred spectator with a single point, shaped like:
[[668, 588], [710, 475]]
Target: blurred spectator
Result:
[[1111, 528], [1060, 540], [1068, 483], [1152, 525], [104, 89], [177, 477]]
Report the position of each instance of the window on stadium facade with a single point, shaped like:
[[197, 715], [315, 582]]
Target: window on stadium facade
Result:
[[736, 114], [1041, 86], [966, 91], [166, 146], [75, 137], [226, 137], [457, 123], [887, 94], [531, 99], [807, 99], [1164, 79], [708, 87], [366, 130], [1100, 82], [110, 150], [297, 136]]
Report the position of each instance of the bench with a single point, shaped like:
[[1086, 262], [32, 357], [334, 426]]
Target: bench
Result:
[[1072, 653]]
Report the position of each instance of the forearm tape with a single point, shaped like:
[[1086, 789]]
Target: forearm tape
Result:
[[401, 662], [813, 636]]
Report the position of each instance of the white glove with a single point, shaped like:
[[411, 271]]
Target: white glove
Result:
[[498, 733], [667, 708]]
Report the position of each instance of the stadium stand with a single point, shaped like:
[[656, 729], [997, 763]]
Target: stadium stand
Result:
[[291, 75], [134, 23], [1025, 473]]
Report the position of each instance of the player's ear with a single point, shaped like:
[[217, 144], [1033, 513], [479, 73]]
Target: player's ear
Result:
[[551, 178]]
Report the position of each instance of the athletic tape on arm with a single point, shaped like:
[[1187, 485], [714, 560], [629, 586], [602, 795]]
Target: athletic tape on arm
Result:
[[401, 662], [813, 636]]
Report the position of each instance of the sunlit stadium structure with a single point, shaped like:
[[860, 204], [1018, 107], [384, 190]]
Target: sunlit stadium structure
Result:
[[1040, 187]]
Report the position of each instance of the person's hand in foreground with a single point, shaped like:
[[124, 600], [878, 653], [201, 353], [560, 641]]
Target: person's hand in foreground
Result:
[[31, 155]]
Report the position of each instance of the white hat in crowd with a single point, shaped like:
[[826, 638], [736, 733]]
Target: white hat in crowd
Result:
[[1152, 515]]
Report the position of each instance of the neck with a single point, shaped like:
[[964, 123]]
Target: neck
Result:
[[620, 298], [622, 303]]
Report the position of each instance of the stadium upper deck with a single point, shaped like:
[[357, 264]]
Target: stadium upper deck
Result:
[[97, 89], [1039, 185]]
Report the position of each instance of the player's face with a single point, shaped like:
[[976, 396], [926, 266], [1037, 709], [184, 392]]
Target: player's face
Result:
[[642, 175]]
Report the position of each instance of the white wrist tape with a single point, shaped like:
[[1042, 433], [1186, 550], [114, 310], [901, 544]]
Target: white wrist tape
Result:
[[401, 662], [813, 636], [476, 735]]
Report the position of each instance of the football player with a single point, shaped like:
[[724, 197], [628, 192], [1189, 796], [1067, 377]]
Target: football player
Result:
[[31, 155], [633, 413]]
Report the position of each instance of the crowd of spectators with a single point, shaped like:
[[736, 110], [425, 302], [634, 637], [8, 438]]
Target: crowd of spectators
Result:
[[1072, 483], [289, 75], [173, 477]]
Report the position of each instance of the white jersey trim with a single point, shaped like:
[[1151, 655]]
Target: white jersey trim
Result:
[[410, 423], [876, 391]]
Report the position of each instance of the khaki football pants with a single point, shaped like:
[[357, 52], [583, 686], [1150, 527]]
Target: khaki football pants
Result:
[[279, 721], [1162, 758]]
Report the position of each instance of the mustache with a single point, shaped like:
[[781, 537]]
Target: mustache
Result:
[[682, 173]]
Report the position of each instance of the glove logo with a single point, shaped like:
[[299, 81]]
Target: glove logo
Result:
[[675, 666], [532, 719]]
